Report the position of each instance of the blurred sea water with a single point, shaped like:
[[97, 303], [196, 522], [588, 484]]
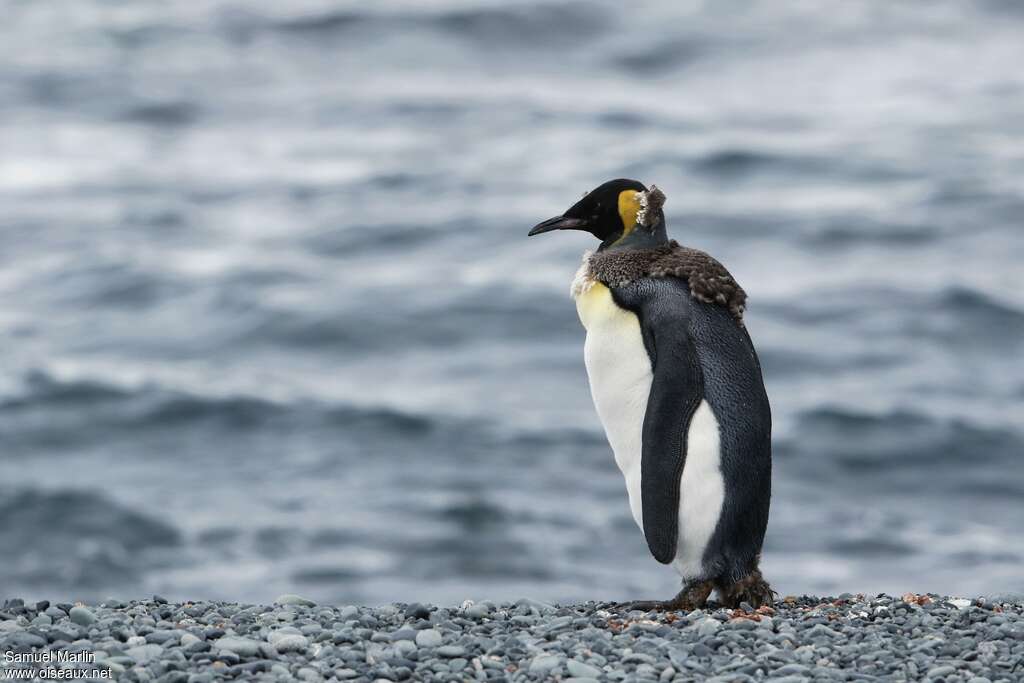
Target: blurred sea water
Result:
[[271, 322]]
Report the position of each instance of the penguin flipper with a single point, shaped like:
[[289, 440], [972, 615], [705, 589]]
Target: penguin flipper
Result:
[[664, 308]]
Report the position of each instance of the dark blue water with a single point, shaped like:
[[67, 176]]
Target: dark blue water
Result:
[[270, 321]]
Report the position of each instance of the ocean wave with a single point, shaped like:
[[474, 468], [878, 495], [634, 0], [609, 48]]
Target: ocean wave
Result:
[[329, 575], [162, 114], [898, 447], [785, 362], [378, 239], [533, 24], [84, 407], [497, 25], [144, 405], [72, 516], [43, 389], [736, 163], [966, 320], [870, 547], [663, 56], [435, 317], [75, 412], [328, 22], [474, 515], [980, 308], [72, 415], [864, 231], [109, 284], [955, 314], [732, 163], [98, 542]]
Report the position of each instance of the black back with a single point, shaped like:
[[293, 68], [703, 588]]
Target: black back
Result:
[[699, 350]]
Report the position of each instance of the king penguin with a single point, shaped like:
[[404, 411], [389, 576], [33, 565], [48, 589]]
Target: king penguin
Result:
[[677, 386]]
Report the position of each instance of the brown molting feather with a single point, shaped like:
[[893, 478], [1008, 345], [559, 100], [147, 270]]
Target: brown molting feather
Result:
[[709, 281], [650, 206]]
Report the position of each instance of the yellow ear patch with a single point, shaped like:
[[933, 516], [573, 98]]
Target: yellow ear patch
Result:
[[629, 207]]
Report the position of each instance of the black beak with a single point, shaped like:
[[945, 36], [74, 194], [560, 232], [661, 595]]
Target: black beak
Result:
[[559, 223]]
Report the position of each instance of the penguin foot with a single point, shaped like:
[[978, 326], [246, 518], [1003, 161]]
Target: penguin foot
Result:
[[751, 589], [693, 596]]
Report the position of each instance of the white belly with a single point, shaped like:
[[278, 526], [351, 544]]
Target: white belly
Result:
[[620, 382]]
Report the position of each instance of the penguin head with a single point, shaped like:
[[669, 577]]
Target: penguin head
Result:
[[622, 213]]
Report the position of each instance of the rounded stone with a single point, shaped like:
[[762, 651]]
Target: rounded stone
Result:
[[292, 599], [143, 654], [244, 647], [292, 643], [417, 610], [544, 664], [82, 616], [429, 637], [582, 670]]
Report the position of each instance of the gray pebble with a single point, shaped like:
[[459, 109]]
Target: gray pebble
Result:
[[21, 641], [544, 664], [417, 611], [162, 636], [82, 616], [542, 607], [707, 627], [308, 674], [581, 670], [742, 624], [429, 638], [144, 653], [941, 671], [792, 670], [477, 611], [404, 634], [244, 647], [821, 631], [291, 599], [292, 643]]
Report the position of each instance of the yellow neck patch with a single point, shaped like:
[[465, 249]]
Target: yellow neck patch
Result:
[[629, 207]]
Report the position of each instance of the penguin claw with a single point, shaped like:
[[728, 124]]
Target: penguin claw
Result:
[[693, 596], [752, 589]]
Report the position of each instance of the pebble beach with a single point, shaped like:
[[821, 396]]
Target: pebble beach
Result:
[[845, 638]]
